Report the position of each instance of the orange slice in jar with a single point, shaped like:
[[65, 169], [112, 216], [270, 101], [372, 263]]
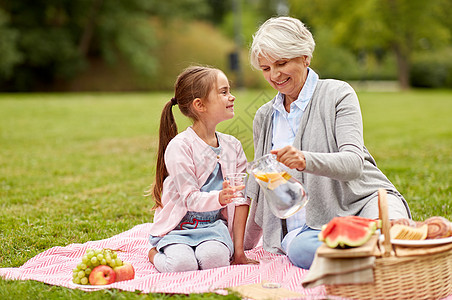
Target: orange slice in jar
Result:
[[286, 175], [261, 176], [277, 179]]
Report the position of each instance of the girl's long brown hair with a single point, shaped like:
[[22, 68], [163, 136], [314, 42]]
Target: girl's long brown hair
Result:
[[194, 82]]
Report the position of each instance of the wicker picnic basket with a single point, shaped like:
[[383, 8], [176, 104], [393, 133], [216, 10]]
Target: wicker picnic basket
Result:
[[424, 276]]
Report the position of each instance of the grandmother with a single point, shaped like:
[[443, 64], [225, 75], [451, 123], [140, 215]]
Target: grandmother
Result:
[[314, 126]]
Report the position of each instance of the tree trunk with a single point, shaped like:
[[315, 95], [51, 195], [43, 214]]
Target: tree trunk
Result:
[[403, 67], [85, 40]]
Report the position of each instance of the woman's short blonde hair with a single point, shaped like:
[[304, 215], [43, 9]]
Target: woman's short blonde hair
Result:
[[281, 37]]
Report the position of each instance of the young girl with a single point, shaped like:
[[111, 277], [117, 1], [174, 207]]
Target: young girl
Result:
[[196, 225]]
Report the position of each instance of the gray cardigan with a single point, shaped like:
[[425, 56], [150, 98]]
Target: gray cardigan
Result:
[[340, 176]]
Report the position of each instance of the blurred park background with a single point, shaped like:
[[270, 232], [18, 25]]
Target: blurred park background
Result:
[[76, 156], [141, 45]]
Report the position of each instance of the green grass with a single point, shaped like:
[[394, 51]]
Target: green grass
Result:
[[73, 167], [410, 136]]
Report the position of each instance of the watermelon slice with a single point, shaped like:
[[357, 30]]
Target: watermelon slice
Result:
[[363, 221], [344, 232], [326, 229]]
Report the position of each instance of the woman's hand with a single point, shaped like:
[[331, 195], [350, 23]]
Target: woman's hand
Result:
[[228, 193], [241, 259], [291, 157]]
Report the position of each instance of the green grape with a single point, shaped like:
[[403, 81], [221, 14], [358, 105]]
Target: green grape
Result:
[[92, 258], [118, 262], [81, 274], [85, 259]]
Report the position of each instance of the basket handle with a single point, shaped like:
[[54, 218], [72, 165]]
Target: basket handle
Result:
[[385, 225]]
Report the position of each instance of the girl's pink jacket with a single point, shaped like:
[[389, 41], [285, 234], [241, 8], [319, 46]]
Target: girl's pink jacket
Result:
[[190, 161]]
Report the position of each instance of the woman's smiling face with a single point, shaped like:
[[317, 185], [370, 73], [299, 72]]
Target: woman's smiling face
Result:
[[287, 76]]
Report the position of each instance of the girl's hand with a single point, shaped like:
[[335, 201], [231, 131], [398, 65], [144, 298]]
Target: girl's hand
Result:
[[291, 157], [228, 193], [241, 259]]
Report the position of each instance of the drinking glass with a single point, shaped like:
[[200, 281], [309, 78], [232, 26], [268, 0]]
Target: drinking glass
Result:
[[268, 269], [237, 180]]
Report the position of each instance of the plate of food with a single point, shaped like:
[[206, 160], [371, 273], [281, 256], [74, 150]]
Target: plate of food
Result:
[[422, 243], [432, 232]]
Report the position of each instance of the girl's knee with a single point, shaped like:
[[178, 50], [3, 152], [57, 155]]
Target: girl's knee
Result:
[[182, 264], [212, 254], [176, 258], [211, 261]]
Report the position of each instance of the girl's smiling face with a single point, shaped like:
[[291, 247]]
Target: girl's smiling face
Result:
[[220, 104], [287, 76]]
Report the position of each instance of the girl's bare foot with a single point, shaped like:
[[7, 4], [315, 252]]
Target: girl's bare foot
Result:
[[151, 254]]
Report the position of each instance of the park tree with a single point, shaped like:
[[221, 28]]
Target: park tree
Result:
[[42, 41], [400, 27]]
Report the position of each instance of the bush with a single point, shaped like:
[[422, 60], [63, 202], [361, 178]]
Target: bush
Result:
[[432, 69], [331, 60], [184, 43], [178, 44]]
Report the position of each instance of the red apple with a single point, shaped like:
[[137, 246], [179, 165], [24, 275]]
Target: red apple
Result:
[[124, 272], [101, 275]]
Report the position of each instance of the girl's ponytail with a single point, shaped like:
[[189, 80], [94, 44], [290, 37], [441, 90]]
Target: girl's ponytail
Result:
[[194, 82], [167, 131]]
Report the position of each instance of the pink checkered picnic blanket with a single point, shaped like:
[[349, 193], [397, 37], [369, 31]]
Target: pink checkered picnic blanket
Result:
[[54, 266]]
